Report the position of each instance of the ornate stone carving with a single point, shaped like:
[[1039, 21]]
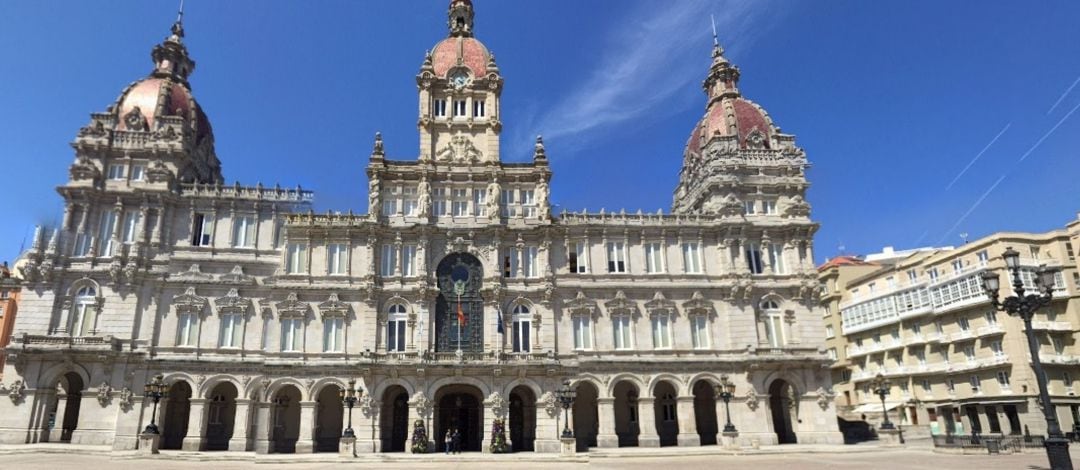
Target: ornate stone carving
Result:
[[548, 404], [620, 304], [292, 307], [494, 192], [193, 274], [825, 398], [232, 303], [660, 305], [423, 192], [189, 302], [497, 404], [580, 305], [368, 406], [334, 307], [104, 394], [422, 403], [135, 121], [16, 391], [752, 399], [126, 399], [697, 305], [459, 149], [236, 276], [797, 207]]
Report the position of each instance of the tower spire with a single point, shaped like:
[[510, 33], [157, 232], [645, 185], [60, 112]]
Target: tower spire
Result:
[[171, 58], [723, 76], [178, 25], [461, 18]]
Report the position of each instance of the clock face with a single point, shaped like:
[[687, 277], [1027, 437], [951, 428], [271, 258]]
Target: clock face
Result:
[[459, 79]]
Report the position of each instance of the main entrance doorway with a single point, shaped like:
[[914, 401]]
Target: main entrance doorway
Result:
[[782, 397], [459, 408], [394, 419], [460, 278]]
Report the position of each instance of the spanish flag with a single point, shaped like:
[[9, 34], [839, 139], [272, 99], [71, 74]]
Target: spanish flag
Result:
[[460, 315]]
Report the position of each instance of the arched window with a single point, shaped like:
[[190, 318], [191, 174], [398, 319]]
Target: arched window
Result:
[[84, 318], [396, 318], [522, 323], [667, 403], [774, 323]]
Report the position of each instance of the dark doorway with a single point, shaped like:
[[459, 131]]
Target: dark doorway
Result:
[[705, 412], [459, 278], [459, 408], [626, 414], [992, 419], [175, 422], [586, 413], [522, 419], [328, 425], [782, 401], [973, 418], [285, 420], [221, 413], [67, 403], [394, 419], [666, 414]]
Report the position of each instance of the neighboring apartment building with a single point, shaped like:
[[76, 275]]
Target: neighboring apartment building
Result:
[[9, 303], [955, 365]]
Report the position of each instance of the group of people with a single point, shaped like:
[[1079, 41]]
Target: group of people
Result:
[[452, 441]]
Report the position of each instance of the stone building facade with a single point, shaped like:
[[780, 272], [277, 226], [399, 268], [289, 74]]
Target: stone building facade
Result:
[[955, 365], [458, 299]]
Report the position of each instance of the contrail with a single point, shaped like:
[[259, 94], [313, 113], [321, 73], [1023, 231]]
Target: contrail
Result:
[[981, 152], [1047, 134], [972, 208], [1063, 95]]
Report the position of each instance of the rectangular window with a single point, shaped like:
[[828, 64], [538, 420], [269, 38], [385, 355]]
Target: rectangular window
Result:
[[983, 257], [105, 233], [749, 207], [232, 329], [621, 328], [243, 235], [116, 171], [1069, 251], [520, 338], [661, 331], [390, 201], [337, 257], [459, 108], [1066, 379], [1003, 379], [991, 317], [913, 276], [528, 203], [699, 325], [926, 385], [969, 352], [478, 108], [579, 258], [459, 204], [479, 202], [438, 202], [440, 108], [933, 274], [187, 329], [950, 384], [408, 260], [82, 245], [202, 229], [830, 332], [138, 172], [768, 206], [776, 258], [582, 332], [279, 233], [510, 263], [974, 383], [964, 324], [296, 258], [408, 201], [654, 262], [958, 266], [333, 334], [832, 353], [692, 257], [509, 208], [753, 258], [131, 227], [395, 335], [530, 261], [292, 334], [996, 348], [616, 252], [389, 260]]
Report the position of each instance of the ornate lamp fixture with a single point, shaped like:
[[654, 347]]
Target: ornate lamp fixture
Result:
[[155, 390], [566, 396], [349, 397], [726, 391]]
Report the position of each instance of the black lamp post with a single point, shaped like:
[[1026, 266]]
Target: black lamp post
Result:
[[881, 388], [726, 390], [566, 396], [1025, 306], [349, 397], [155, 390]]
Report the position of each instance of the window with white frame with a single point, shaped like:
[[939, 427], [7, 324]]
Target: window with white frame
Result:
[[912, 276], [950, 385], [768, 206], [531, 266], [995, 347], [754, 260], [661, 330], [933, 274], [408, 260], [654, 258], [478, 108], [388, 260], [396, 321], [409, 201], [692, 257], [232, 329], [832, 353], [975, 383], [84, 316], [82, 245], [890, 282], [616, 255], [440, 108], [776, 258], [187, 328], [1003, 380], [130, 229], [984, 257], [438, 201], [774, 323], [509, 207], [459, 203], [116, 171], [337, 258], [138, 172], [521, 326], [969, 352], [965, 325], [926, 385], [699, 331], [391, 201], [958, 266], [292, 334], [511, 262], [830, 332], [991, 317], [528, 203], [296, 258], [105, 233], [621, 329], [578, 258], [243, 233], [459, 109], [202, 229], [334, 334], [479, 202], [582, 332], [749, 207]]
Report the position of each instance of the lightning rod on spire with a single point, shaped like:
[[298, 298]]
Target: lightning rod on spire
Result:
[[712, 18], [180, 14]]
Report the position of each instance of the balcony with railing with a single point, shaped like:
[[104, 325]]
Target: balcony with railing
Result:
[[961, 335], [1059, 359], [1043, 325], [989, 330]]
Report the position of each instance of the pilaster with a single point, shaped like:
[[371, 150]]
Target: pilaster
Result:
[[647, 421]]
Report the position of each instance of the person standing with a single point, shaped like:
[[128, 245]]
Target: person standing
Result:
[[448, 441], [456, 438]]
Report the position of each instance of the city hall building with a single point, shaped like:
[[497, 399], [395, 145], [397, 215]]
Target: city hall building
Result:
[[457, 300]]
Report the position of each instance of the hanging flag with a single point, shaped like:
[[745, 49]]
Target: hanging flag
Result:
[[460, 315], [499, 327]]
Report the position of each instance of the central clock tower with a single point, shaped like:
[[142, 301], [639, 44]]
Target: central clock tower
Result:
[[460, 86]]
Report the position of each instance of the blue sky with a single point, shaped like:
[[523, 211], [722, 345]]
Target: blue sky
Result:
[[922, 119]]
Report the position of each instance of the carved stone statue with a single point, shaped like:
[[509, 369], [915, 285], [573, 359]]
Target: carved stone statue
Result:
[[424, 196], [542, 200], [494, 191], [373, 196]]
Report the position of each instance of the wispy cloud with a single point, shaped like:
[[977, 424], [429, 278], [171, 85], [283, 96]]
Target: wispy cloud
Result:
[[1048, 133], [981, 152], [647, 63], [1063, 95], [972, 209]]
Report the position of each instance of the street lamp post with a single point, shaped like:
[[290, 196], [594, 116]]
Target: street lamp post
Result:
[[881, 388], [1024, 306], [566, 396], [155, 390], [349, 397], [726, 390]]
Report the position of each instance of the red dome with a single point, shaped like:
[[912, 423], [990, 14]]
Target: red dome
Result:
[[176, 101], [731, 116], [471, 53]]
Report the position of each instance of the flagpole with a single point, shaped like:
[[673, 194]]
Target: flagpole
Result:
[[459, 326]]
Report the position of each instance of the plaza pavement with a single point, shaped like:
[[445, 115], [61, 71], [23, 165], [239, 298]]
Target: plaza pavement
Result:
[[49, 457]]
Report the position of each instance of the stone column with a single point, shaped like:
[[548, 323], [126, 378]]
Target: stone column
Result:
[[305, 444], [366, 426], [688, 432], [196, 430], [494, 408], [647, 423], [262, 428], [606, 436], [241, 423]]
